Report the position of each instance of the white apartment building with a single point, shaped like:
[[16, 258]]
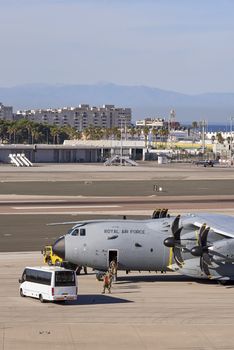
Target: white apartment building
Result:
[[81, 117], [6, 112]]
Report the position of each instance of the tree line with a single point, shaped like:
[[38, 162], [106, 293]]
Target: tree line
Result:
[[24, 131]]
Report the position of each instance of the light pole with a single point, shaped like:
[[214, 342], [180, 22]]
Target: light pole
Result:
[[203, 124], [121, 138], [231, 124], [121, 142]]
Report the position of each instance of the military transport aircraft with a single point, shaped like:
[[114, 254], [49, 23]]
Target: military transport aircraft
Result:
[[197, 245]]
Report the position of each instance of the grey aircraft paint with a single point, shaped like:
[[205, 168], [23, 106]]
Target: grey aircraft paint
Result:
[[200, 246]]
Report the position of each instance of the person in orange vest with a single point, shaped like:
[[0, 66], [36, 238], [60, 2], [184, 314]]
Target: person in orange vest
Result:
[[107, 281]]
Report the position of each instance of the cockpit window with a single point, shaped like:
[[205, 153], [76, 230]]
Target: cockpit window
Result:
[[75, 232], [82, 232]]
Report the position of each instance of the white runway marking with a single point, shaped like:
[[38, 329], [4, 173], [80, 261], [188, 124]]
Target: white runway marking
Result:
[[66, 207]]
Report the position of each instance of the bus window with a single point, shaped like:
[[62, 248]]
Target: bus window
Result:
[[24, 276], [36, 276], [82, 232], [44, 277], [64, 278]]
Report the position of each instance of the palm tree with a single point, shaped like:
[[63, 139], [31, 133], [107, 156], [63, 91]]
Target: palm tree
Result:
[[116, 133], [219, 137], [107, 132], [146, 133], [35, 133], [138, 131], [72, 133], [12, 130], [155, 133], [3, 129], [132, 132], [194, 128], [54, 131], [88, 133], [194, 125], [163, 132], [45, 130], [98, 133]]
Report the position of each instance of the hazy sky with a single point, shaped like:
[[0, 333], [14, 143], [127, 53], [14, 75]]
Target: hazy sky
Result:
[[181, 45]]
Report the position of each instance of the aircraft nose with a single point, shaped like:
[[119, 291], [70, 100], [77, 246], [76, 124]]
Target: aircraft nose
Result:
[[59, 247]]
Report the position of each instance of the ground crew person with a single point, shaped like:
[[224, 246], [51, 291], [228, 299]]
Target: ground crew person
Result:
[[113, 269], [107, 281]]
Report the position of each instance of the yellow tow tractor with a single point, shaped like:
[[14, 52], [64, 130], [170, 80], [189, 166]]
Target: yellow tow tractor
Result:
[[49, 257]]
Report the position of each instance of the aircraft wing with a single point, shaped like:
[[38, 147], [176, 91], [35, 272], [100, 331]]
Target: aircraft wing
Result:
[[220, 224]]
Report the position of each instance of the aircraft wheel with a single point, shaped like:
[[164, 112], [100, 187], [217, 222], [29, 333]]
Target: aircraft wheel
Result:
[[41, 298], [222, 282], [22, 293]]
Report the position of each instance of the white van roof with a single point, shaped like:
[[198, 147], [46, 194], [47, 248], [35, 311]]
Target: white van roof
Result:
[[47, 268]]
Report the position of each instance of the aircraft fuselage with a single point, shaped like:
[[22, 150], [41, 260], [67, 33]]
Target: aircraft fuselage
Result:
[[138, 244]]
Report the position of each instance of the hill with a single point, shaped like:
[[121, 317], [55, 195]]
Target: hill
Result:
[[144, 101]]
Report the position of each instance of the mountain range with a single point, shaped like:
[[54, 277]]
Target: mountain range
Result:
[[144, 101]]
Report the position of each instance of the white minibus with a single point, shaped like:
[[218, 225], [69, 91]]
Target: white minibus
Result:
[[50, 283]]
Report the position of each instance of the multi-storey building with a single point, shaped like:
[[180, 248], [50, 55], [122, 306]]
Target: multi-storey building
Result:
[[81, 117], [6, 112], [151, 123]]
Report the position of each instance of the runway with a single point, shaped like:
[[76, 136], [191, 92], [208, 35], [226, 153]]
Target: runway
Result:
[[28, 204]]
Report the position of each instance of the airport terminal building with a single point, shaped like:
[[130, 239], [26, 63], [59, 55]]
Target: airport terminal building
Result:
[[75, 151]]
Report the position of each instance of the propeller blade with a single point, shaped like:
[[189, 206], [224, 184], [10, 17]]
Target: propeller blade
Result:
[[177, 235], [174, 242], [202, 229], [204, 267], [175, 225], [178, 256], [202, 242], [206, 258], [204, 235], [177, 251]]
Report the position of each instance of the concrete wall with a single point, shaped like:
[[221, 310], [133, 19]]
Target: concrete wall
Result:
[[49, 154]]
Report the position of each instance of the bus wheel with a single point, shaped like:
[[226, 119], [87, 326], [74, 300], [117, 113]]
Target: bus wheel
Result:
[[41, 298], [21, 293]]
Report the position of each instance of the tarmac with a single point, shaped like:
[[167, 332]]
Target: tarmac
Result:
[[144, 311]]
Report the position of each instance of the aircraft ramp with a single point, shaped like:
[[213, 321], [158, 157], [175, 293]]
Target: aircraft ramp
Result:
[[120, 160]]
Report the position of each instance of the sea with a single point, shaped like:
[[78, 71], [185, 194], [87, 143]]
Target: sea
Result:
[[217, 127]]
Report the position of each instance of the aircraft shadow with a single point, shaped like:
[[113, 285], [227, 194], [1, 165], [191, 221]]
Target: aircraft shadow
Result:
[[95, 299], [161, 278]]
